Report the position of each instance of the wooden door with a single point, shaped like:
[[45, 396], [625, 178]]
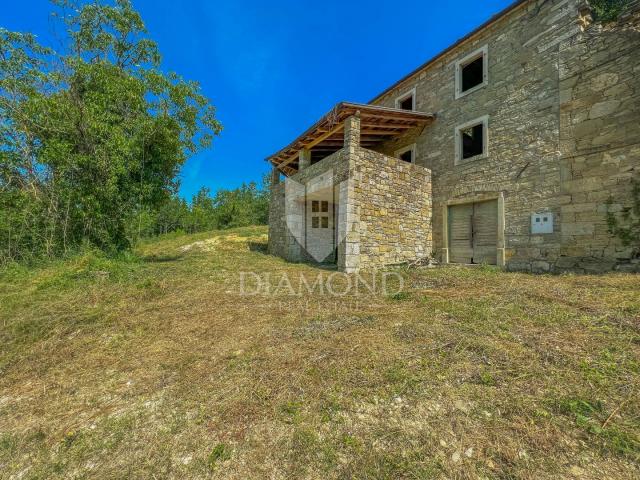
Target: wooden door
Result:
[[485, 232], [460, 233], [473, 233]]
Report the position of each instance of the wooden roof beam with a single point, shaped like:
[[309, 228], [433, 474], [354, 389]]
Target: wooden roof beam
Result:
[[313, 143]]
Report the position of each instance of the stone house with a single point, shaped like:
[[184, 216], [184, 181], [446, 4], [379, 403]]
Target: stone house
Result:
[[507, 148]]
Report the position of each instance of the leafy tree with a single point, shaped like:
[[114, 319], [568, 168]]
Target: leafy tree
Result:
[[239, 207], [90, 135], [243, 206], [170, 217], [202, 212]]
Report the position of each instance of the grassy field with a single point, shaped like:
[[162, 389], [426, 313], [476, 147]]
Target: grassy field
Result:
[[155, 365]]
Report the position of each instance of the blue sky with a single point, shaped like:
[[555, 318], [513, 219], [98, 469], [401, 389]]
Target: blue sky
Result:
[[273, 68]]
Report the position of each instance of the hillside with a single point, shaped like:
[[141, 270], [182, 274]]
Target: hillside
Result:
[[155, 365]]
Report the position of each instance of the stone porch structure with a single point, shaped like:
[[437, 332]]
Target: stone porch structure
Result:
[[378, 207]]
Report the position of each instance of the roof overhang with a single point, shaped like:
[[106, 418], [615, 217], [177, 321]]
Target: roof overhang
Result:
[[377, 125]]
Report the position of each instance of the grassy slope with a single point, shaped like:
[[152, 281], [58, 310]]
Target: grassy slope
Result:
[[157, 366]]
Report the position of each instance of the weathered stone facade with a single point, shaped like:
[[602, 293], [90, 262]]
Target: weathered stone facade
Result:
[[564, 122], [562, 104], [599, 80]]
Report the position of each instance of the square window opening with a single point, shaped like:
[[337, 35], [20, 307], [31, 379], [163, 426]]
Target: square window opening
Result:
[[407, 103], [472, 74], [472, 141]]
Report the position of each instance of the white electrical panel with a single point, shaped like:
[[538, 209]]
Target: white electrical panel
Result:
[[542, 223]]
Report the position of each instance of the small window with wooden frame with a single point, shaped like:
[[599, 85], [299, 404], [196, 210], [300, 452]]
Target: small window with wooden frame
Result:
[[319, 214], [408, 153], [472, 72], [407, 101], [471, 140]]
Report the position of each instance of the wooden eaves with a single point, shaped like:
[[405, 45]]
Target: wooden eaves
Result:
[[377, 124]]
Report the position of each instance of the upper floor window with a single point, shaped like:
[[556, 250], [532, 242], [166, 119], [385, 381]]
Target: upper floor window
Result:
[[407, 101], [408, 154], [472, 140], [472, 72]]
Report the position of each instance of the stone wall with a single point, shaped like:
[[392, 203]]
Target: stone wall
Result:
[[540, 97], [278, 235], [599, 141], [392, 199]]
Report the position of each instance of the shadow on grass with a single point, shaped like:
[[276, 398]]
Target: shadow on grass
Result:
[[260, 247], [323, 266], [162, 258]]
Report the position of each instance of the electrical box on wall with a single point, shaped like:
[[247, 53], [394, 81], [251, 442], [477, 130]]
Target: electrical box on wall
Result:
[[541, 223]]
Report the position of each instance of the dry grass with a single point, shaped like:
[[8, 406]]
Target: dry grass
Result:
[[156, 366]]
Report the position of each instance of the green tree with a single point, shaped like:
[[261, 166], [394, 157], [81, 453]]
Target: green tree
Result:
[[243, 206], [246, 205], [202, 213], [172, 216], [91, 135]]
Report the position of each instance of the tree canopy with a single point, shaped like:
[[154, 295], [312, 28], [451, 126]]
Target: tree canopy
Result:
[[90, 134], [240, 207]]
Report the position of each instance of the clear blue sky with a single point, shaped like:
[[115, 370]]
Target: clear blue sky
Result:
[[273, 68]]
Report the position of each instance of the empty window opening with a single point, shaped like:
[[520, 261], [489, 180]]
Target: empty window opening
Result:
[[325, 206], [472, 74], [325, 222], [315, 222], [315, 206], [407, 101], [407, 156], [472, 141]]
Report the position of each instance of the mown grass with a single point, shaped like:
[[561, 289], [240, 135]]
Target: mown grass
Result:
[[155, 365]]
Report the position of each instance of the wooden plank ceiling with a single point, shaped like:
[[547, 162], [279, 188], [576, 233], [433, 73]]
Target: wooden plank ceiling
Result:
[[326, 136]]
